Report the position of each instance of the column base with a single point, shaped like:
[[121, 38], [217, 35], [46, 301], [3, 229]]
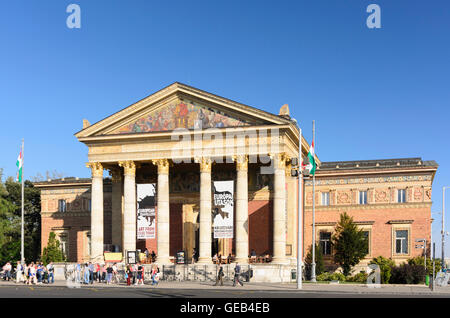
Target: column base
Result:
[[204, 260]]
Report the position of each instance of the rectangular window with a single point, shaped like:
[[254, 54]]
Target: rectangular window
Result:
[[89, 205], [61, 205], [367, 236], [401, 198], [63, 240], [325, 242], [401, 242], [362, 197], [325, 198]]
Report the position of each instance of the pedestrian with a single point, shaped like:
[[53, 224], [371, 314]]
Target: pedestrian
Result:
[[220, 275], [96, 271], [39, 273], [140, 274], [135, 270], [50, 270], [129, 272], [104, 272], [109, 273], [155, 275], [194, 255], [19, 272], [91, 273], [116, 274], [78, 273], [7, 271], [147, 253], [153, 256], [32, 273], [237, 274], [86, 273]]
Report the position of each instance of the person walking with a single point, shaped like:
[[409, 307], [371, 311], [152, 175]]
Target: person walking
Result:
[[220, 275], [109, 273], [91, 273], [19, 272], [50, 270], [237, 274], [139, 273], [129, 272]]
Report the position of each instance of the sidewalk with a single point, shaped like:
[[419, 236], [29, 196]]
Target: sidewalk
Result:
[[285, 287]]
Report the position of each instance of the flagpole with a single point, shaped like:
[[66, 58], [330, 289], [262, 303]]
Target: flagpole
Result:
[[300, 213], [22, 255], [313, 263]]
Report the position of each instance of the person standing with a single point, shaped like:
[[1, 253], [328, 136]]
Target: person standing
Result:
[[91, 273], [135, 270], [109, 273], [39, 273], [140, 274], [220, 275], [50, 270], [129, 273], [237, 274], [19, 272], [78, 273]]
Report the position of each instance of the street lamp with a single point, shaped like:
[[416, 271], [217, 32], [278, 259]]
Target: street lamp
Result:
[[443, 231]]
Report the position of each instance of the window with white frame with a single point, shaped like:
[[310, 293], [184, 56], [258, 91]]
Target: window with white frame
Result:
[[401, 242], [61, 205], [401, 195], [362, 197], [325, 198]]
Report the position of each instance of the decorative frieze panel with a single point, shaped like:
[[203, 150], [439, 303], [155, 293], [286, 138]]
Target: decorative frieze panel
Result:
[[382, 195], [341, 181]]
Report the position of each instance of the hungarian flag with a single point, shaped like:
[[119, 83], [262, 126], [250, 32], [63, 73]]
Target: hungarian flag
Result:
[[19, 165], [311, 163]]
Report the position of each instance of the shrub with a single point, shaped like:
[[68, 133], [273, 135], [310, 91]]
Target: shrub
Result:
[[419, 260], [324, 277], [386, 265], [358, 278], [408, 274], [320, 267], [327, 277]]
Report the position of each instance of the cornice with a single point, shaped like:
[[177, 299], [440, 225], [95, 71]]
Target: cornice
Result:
[[372, 206]]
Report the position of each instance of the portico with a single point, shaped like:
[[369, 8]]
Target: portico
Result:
[[183, 139]]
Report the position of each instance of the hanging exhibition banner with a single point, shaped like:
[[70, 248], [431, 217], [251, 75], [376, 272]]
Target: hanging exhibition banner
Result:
[[146, 211], [223, 209]]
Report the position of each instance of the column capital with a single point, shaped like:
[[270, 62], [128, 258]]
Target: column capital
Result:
[[241, 162], [205, 163], [129, 167], [163, 165], [96, 169], [116, 174], [280, 159]]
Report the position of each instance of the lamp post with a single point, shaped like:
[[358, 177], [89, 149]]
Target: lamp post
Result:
[[443, 231]]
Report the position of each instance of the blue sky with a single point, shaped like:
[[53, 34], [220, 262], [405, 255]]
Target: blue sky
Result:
[[374, 93]]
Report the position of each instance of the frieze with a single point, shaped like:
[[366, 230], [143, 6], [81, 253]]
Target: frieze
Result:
[[368, 180]]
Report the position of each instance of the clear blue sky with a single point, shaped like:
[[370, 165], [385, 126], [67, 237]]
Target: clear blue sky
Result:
[[374, 93]]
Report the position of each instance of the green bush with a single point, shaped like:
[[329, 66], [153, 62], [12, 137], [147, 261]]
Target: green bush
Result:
[[327, 277], [408, 274], [419, 260], [386, 265], [358, 278], [320, 267]]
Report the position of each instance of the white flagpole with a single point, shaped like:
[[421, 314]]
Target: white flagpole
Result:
[[313, 263], [22, 258], [300, 214]]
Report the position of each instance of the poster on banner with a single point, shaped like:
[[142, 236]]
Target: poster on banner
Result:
[[146, 211], [223, 209]]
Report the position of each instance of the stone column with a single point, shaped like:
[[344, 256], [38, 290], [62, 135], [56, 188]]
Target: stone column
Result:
[[163, 212], [279, 210], [96, 211], [129, 213], [116, 206], [242, 209], [205, 211]]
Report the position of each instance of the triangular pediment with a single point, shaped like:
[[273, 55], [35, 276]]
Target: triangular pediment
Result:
[[180, 106]]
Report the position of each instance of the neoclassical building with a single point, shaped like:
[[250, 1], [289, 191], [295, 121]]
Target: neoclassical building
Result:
[[183, 142]]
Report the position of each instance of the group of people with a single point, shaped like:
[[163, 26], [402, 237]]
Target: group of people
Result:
[[33, 273], [236, 277]]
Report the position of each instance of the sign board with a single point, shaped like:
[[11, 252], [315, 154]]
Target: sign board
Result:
[[181, 257], [131, 257], [222, 209], [146, 211]]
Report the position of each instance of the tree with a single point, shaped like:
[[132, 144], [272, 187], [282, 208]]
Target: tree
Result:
[[53, 251], [32, 214], [320, 267], [349, 243]]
